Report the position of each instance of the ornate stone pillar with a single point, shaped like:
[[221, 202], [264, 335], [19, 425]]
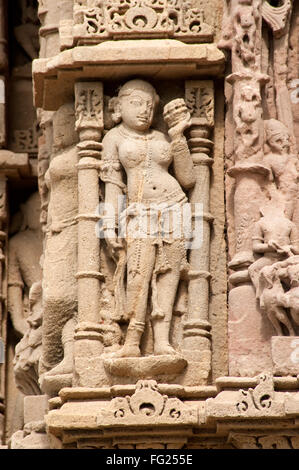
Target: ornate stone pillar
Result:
[[89, 115], [197, 336], [249, 349]]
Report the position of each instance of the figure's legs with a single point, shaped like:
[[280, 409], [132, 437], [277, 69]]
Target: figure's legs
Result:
[[59, 299], [167, 284], [67, 339], [283, 301], [254, 272], [273, 319], [141, 255]]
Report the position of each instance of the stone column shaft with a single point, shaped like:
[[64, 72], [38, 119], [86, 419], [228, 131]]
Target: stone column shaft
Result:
[[88, 347], [197, 337]]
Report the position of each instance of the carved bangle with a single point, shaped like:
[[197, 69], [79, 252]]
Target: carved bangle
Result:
[[180, 145], [16, 284]]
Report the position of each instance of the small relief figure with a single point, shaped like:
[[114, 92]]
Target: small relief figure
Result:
[[149, 261], [27, 32], [28, 350], [60, 255], [275, 237], [247, 115], [288, 272], [281, 162], [279, 285], [271, 295], [24, 252], [245, 27]]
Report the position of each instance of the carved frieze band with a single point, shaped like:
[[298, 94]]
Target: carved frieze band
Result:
[[114, 19]]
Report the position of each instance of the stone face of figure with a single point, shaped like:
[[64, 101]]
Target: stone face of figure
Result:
[[145, 155], [25, 250]]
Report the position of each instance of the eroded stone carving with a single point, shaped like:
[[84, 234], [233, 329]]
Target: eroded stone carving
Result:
[[28, 350], [278, 288], [157, 261], [60, 256], [25, 249], [282, 162]]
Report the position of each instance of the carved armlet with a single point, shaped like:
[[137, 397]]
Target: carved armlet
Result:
[[179, 147], [109, 173]]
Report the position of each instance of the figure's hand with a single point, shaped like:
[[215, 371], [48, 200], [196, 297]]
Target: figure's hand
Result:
[[273, 245], [113, 245], [285, 250], [177, 131]]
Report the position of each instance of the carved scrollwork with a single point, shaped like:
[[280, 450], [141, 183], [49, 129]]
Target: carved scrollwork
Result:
[[260, 397], [140, 18], [144, 405]]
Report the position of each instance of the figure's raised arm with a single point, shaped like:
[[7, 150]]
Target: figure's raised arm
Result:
[[178, 119]]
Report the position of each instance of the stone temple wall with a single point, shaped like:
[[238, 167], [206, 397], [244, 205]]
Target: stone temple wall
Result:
[[149, 224]]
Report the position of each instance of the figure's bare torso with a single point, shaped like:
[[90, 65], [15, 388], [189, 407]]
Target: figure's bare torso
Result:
[[146, 160], [62, 178]]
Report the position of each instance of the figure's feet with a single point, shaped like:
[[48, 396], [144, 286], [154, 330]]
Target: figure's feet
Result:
[[64, 367], [127, 350], [164, 349]]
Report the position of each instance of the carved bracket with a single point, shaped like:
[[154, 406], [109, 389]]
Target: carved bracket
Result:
[[145, 406], [276, 17]]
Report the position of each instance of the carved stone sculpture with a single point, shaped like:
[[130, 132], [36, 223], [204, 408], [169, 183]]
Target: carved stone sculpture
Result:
[[282, 162], [25, 249], [275, 236], [28, 350], [157, 261], [60, 256]]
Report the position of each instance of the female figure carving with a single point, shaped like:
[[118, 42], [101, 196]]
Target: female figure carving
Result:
[[60, 257], [152, 260]]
